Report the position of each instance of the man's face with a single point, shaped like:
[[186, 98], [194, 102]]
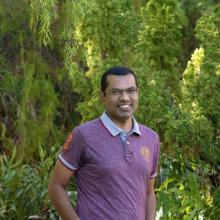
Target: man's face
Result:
[[120, 107]]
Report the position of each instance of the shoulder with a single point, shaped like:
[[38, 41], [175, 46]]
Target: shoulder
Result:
[[89, 127], [147, 131], [90, 124]]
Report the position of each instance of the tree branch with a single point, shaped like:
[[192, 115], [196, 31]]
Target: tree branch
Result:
[[215, 147], [161, 61]]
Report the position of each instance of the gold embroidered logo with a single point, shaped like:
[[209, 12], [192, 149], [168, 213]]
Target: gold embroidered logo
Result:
[[68, 141], [145, 152]]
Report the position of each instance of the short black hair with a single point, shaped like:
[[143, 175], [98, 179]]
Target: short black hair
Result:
[[118, 71]]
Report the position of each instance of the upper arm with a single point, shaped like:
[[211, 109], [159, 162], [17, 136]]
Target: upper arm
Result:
[[150, 188], [61, 175]]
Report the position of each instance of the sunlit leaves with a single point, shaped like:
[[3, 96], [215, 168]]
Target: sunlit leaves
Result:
[[47, 13]]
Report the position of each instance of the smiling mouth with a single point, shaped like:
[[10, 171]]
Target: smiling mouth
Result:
[[124, 106]]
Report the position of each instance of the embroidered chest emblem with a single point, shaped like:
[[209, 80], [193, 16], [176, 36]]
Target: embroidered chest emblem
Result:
[[145, 152]]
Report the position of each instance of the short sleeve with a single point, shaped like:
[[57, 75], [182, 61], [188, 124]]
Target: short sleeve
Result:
[[72, 153], [156, 157]]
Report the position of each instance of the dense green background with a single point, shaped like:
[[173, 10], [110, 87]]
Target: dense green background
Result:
[[52, 56]]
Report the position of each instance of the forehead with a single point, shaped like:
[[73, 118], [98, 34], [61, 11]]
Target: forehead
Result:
[[121, 82]]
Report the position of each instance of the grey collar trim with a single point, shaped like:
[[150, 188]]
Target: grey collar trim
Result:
[[113, 129]]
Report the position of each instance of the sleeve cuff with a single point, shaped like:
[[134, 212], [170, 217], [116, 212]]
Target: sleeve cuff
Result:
[[153, 176], [62, 160]]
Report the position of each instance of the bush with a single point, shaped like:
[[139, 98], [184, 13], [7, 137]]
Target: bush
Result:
[[213, 212], [24, 193]]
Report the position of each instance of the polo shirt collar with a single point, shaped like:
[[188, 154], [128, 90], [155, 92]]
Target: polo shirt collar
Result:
[[113, 128]]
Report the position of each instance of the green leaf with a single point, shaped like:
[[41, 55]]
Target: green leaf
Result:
[[193, 213], [45, 191], [162, 187], [19, 192], [9, 176]]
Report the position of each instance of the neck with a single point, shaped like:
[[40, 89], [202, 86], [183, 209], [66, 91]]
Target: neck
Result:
[[125, 124], [126, 127]]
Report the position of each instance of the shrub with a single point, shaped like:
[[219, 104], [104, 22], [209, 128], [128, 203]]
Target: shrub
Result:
[[24, 187]]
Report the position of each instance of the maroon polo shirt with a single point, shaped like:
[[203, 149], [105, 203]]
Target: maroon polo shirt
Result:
[[111, 175]]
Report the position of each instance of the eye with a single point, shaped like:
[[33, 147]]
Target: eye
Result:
[[115, 92], [130, 91]]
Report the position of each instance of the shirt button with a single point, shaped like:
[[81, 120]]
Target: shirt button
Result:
[[127, 142], [124, 133]]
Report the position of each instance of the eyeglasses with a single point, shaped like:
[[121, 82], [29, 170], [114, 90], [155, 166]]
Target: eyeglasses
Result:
[[118, 92]]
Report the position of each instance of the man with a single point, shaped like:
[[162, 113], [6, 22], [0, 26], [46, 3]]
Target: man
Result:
[[114, 159]]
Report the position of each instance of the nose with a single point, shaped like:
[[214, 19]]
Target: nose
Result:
[[124, 96]]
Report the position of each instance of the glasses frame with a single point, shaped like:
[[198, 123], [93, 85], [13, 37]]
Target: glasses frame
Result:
[[121, 91]]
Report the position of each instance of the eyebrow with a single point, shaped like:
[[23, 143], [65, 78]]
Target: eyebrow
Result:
[[121, 89]]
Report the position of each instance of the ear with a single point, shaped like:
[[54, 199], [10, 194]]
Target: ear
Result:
[[102, 97], [138, 92]]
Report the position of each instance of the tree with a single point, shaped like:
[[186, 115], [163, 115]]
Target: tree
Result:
[[184, 129], [182, 107], [97, 30], [34, 90]]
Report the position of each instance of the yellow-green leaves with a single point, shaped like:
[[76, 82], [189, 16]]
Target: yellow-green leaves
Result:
[[47, 13]]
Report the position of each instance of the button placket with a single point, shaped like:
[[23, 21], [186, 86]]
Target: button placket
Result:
[[129, 152]]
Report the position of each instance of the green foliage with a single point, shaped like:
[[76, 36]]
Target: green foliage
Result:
[[201, 85], [192, 201], [97, 29], [24, 188], [97, 34], [154, 100], [201, 79], [207, 28], [190, 12], [103, 27], [156, 57], [10, 23], [47, 13], [8, 90], [213, 212], [159, 18], [184, 195], [183, 130], [166, 200], [195, 125], [159, 43], [38, 105], [37, 102]]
